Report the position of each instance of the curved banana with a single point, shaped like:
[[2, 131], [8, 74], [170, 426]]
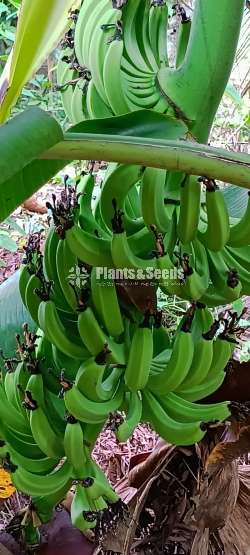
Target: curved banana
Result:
[[10, 415], [53, 328], [90, 411], [35, 387], [45, 437], [132, 51], [104, 32], [171, 430], [185, 411], [200, 391], [226, 280], [32, 300], [95, 340], [182, 41], [178, 366], [133, 417], [82, 514], [36, 466], [91, 382], [33, 484], [116, 188], [89, 248], [124, 257], [24, 278], [96, 108], [112, 77]]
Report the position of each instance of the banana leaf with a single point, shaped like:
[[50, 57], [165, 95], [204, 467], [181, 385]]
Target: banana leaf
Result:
[[236, 199], [22, 141], [41, 23], [12, 315]]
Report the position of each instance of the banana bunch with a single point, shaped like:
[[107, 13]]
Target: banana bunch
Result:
[[101, 354], [111, 66], [95, 359]]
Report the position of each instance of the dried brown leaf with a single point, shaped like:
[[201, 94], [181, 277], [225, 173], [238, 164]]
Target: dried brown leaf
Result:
[[226, 452]]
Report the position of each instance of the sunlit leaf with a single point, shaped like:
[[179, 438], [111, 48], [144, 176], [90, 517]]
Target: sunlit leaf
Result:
[[40, 26], [6, 242], [12, 314]]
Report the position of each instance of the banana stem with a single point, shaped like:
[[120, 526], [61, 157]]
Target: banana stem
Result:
[[184, 156], [197, 86]]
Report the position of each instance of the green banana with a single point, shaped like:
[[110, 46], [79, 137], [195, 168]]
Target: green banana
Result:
[[44, 435], [154, 210], [88, 411], [226, 280], [96, 108], [112, 77], [35, 485], [89, 248], [182, 42], [82, 515], [218, 229], [117, 186], [140, 358], [35, 387], [32, 300], [124, 257], [91, 382], [132, 51], [10, 415], [189, 209], [203, 390], [53, 328], [177, 367], [96, 340], [104, 295], [73, 446], [182, 410], [36, 466], [133, 417], [24, 278], [66, 262], [103, 33], [171, 430]]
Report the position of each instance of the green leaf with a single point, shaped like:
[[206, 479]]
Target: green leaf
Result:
[[41, 23], [238, 306], [15, 3], [14, 225], [12, 314], [6, 242], [22, 141], [234, 94], [142, 123], [236, 199], [3, 8]]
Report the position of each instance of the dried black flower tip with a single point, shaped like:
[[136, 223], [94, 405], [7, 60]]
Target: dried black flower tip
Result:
[[64, 208], [117, 220]]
